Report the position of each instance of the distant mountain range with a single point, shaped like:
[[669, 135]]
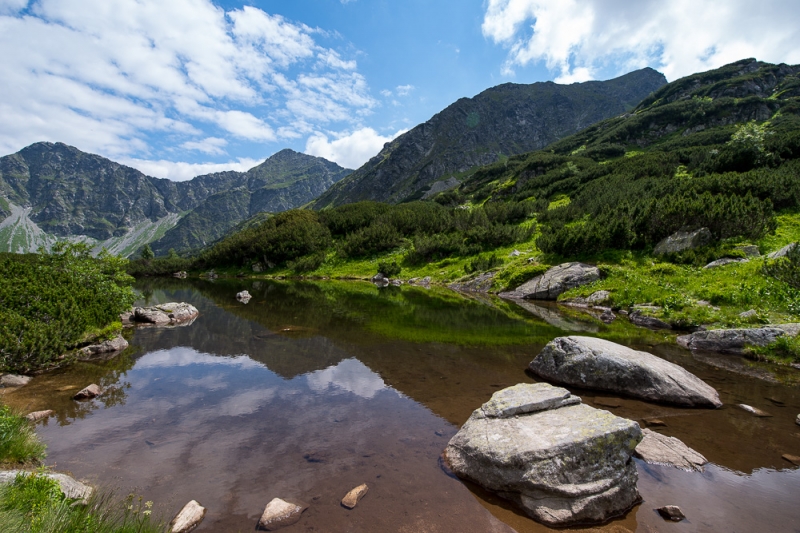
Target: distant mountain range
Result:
[[53, 191], [502, 121]]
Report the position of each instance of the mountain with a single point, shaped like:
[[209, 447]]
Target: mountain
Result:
[[51, 191], [502, 121]]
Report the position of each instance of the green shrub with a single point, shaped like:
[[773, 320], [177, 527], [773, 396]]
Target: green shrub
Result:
[[388, 269], [307, 263], [482, 264], [18, 440]]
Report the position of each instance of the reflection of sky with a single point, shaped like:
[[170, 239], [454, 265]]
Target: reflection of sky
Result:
[[350, 375], [183, 356]]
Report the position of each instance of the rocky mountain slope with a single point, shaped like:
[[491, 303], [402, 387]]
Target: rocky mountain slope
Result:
[[53, 191], [502, 121]]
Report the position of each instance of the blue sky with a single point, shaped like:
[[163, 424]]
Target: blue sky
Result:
[[185, 87]]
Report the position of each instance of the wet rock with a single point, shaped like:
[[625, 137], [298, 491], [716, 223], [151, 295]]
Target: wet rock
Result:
[[39, 415], [281, 513], [188, 518], [92, 391], [797, 420], [730, 340], [165, 314], [481, 283], [753, 410], [724, 261], [655, 422], [378, 277], [782, 252], [70, 488], [637, 318], [555, 281], [598, 297], [683, 240], [354, 496], [750, 250], [791, 458], [117, 344], [608, 316], [562, 462], [243, 295], [659, 449], [181, 274], [608, 402], [126, 318], [599, 364], [671, 512], [14, 380]]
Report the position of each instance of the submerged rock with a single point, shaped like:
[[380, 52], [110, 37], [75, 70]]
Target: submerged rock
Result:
[[188, 518], [555, 281], [92, 391], [561, 461], [39, 415], [117, 344], [683, 240], [791, 458], [599, 364], [165, 314], [659, 449], [70, 487], [730, 340], [753, 410], [797, 420], [671, 512], [281, 513], [352, 498], [14, 380]]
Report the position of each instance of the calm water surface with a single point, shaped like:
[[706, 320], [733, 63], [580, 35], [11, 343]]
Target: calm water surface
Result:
[[312, 389]]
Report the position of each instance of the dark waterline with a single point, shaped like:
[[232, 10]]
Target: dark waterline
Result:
[[312, 389]]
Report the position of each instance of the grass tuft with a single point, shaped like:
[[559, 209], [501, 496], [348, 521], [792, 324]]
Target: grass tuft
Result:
[[18, 442]]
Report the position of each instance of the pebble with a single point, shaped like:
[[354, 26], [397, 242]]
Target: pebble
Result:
[[352, 498], [655, 422], [671, 512]]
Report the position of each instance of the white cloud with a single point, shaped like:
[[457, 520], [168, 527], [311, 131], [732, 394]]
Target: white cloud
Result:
[[386, 92], [131, 78], [404, 90], [182, 171], [350, 150], [578, 38], [209, 145]]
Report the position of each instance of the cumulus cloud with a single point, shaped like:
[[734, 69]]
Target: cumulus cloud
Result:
[[182, 171], [136, 78], [576, 39], [404, 90], [350, 150]]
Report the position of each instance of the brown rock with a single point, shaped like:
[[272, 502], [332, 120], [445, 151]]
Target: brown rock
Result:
[[92, 391], [40, 415], [608, 402], [655, 422], [753, 410], [662, 450], [671, 512], [791, 458], [281, 513], [188, 518], [352, 498]]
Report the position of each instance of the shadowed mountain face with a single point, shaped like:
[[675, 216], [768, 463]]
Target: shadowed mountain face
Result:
[[502, 121], [54, 191]]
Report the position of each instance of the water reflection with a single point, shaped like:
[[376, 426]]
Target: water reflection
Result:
[[350, 375]]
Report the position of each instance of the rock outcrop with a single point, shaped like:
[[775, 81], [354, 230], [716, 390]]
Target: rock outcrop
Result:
[[116, 344], [681, 241], [592, 363], [733, 341], [561, 461], [165, 314], [555, 281], [659, 449]]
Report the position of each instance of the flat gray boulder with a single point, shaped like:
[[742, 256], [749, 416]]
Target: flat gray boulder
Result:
[[71, 488], [165, 314], [592, 363], [684, 240], [116, 344], [637, 318], [659, 449], [14, 380], [561, 461], [724, 261], [732, 341], [555, 281]]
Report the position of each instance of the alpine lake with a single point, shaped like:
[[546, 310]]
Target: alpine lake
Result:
[[312, 388]]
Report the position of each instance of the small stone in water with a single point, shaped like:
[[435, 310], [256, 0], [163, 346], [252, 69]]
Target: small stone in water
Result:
[[352, 498], [655, 422], [671, 512], [776, 401], [39, 415], [188, 517], [608, 402], [753, 410], [791, 458], [281, 513], [89, 392]]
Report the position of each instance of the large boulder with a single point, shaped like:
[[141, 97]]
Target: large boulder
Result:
[[592, 363], [561, 461], [555, 281], [165, 314], [681, 241], [732, 341]]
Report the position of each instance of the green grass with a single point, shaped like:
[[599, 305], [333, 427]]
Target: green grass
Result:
[[18, 442], [786, 350], [34, 503]]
